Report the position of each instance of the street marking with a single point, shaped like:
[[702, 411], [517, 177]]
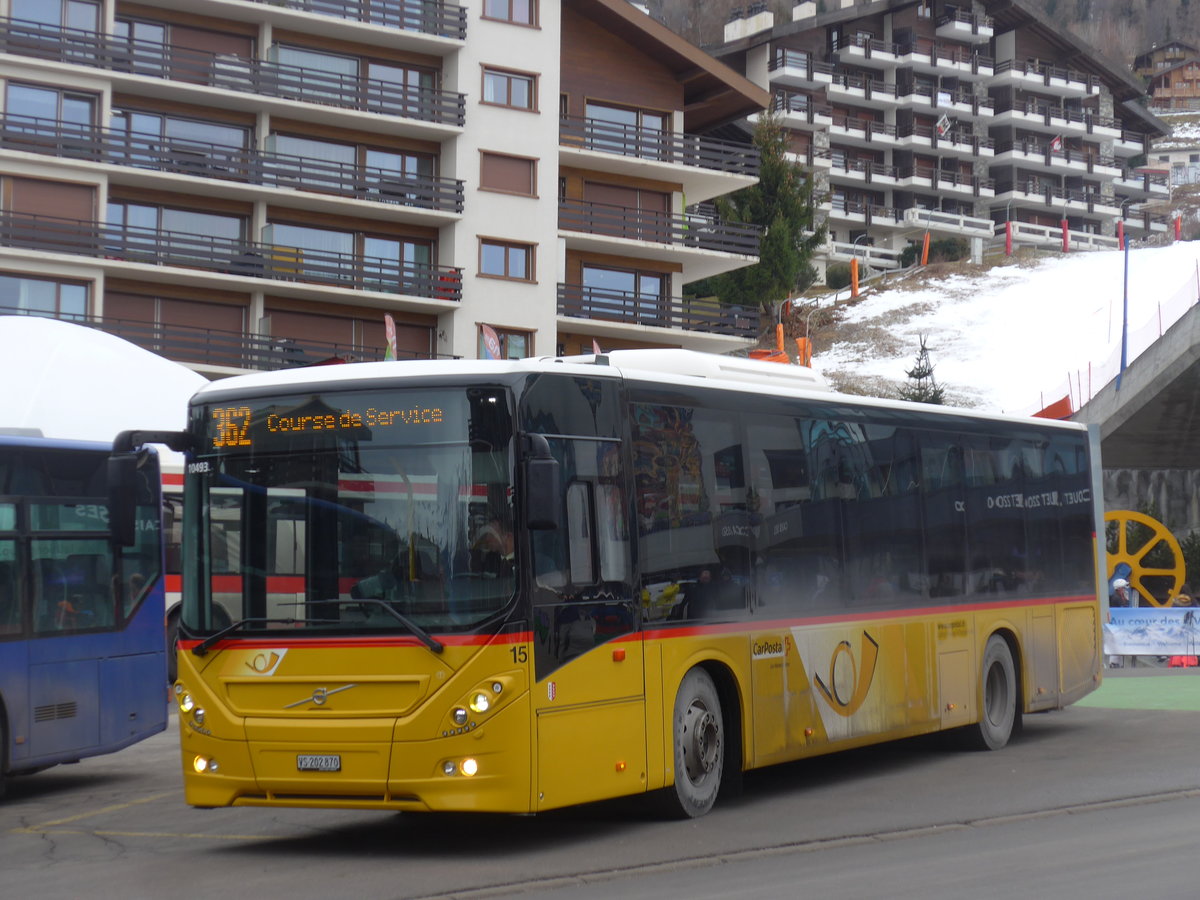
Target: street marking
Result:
[[98, 812], [149, 834]]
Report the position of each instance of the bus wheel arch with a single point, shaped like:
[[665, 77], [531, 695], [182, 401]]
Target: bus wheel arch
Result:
[[1000, 693], [705, 740]]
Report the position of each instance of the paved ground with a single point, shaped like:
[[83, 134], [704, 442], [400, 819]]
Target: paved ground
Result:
[[1147, 686]]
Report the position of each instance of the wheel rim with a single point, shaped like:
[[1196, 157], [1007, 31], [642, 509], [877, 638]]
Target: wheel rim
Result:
[[1135, 553], [701, 742]]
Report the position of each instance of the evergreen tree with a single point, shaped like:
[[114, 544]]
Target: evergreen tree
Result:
[[780, 203], [923, 387]]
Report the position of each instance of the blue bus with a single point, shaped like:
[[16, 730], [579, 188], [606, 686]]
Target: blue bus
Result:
[[83, 667]]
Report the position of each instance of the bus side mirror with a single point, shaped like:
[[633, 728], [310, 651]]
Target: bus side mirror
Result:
[[542, 498], [122, 481]]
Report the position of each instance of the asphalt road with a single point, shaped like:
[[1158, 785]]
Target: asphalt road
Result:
[[1100, 800]]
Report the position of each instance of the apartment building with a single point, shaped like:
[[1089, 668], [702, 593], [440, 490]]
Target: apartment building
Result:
[[959, 120], [242, 184]]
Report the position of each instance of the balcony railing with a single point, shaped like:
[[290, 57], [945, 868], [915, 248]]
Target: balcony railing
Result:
[[214, 254], [1051, 156], [938, 98], [962, 139], [1049, 113], [427, 16], [936, 178], [869, 211], [798, 59], [868, 169], [950, 54], [1048, 73], [869, 87], [200, 160], [646, 143], [1056, 196], [229, 72], [702, 230], [685, 313]]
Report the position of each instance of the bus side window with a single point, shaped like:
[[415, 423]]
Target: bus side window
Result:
[[10, 607]]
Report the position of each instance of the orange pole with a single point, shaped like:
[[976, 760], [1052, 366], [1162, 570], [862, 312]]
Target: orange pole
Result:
[[925, 250], [854, 278], [779, 337]]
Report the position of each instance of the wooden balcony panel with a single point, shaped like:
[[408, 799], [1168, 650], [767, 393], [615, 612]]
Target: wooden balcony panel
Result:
[[702, 231], [645, 143]]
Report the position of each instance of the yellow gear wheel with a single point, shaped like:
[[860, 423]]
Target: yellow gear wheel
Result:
[[1139, 535]]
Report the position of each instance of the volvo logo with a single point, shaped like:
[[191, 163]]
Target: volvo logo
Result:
[[320, 695]]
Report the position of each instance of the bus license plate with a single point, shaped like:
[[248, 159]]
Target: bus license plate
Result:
[[318, 762]]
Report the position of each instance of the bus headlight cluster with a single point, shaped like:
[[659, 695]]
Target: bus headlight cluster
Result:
[[466, 767], [478, 703], [203, 764], [187, 704]]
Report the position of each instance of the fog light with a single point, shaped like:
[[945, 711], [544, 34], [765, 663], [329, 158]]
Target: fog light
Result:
[[201, 764], [459, 716], [481, 703], [469, 767], [448, 767], [186, 703]]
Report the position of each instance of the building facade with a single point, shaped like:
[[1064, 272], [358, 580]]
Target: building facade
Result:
[[954, 120], [243, 184], [1177, 87]]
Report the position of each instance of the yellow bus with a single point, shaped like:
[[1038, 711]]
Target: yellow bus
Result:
[[513, 586]]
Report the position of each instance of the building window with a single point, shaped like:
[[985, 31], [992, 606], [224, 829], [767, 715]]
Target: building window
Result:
[[516, 12], [624, 293], [512, 344], [508, 174], [81, 14], [505, 259], [50, 105], [512, 89], [43, 297]]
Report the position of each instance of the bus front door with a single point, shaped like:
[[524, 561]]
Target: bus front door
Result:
[[589, 690]]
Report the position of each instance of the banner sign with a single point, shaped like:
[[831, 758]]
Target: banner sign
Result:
[[1151, 631]]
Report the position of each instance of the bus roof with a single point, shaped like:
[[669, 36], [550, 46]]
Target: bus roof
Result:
[[667, 366]]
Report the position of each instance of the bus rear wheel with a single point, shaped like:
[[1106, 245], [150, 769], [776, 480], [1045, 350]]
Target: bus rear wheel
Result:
[[699, 746], [998, 713]]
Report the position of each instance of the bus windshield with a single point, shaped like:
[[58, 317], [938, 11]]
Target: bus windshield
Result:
[[350, 511]]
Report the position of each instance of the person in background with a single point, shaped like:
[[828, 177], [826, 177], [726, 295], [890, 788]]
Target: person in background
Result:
[[1118, 597]]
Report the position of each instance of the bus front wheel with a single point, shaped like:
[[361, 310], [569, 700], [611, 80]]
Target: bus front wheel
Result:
[[699, 745], [998, 714]]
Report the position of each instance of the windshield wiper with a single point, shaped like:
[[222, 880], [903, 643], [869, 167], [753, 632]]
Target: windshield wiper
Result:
[[205, 645], [424, 636]]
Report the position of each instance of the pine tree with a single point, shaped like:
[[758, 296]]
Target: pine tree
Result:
[[923, 387], [780, 203]]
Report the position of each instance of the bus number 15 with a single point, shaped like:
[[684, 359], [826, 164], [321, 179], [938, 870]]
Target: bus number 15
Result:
[[232, 423]]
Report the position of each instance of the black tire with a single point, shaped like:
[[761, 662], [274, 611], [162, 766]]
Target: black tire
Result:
[[173, 645], [999, 716], [698, 746]]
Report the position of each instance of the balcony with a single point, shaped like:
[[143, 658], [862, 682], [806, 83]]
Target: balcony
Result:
[[1143, 223], [240, 259], [947, 223], [933, 57], [694, 230], [861, 212], [795, 68], [1034, 194], [1131, 143], [1037, 115], [921, 176], [712, 166], [957, 142], [431, 17], [847, 129], [801, 112], [258, 78], [1044, 78], [1144, 185], [146, 152], [845, 170], [961, 25], [869, 254], [860, 50], [861, 91], [1051, 237], [1032, 153], [962, 103], [683, 313]]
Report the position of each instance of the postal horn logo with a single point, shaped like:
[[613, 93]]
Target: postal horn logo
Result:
[[845, 696]]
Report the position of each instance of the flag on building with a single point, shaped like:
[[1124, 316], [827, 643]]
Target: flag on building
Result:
[[943, 125], [595, 347], [491, 343], [1056, 144]]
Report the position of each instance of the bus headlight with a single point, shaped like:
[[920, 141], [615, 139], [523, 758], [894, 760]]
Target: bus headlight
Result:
[[459, 716], [480, 703], [198, 715], [186, 703], [469, 766]]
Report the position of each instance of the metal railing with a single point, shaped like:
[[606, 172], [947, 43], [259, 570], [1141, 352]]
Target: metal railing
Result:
[[200, 160], [686, 313], [795, 104], [1049, 113], [1047, 72], [647, 143], [1051, 155], [249, 259], [939, 52], [798, 59], [974, 142], [936, 97], [936, 178], [230, 72], [965, 17], [700, 229], [427, 16], [226, 349]]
